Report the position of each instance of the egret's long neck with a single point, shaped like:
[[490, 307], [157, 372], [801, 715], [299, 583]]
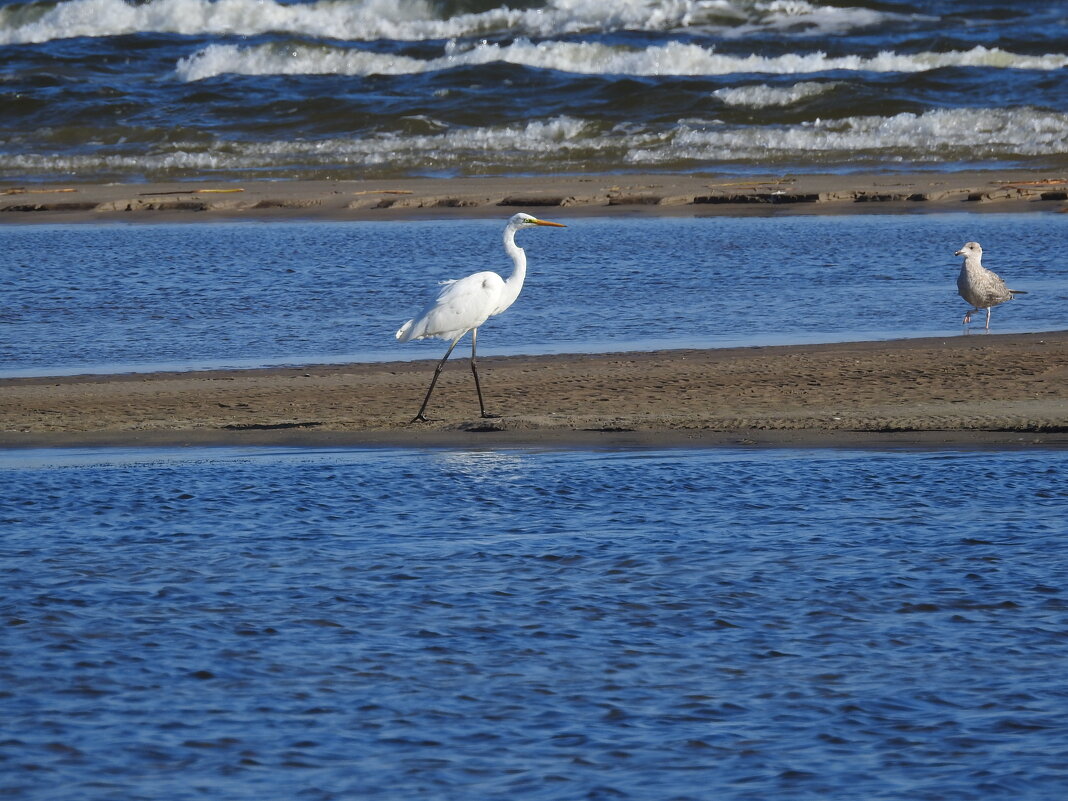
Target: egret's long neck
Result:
[[514, 283]]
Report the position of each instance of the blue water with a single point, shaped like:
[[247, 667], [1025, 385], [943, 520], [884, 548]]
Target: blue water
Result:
[[95, 90], [105, 298], [388, 624]]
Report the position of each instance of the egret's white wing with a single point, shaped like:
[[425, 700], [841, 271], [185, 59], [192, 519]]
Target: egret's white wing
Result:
[[460, 306]]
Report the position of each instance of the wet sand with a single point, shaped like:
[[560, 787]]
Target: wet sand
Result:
[[568, 195], [974, 390]]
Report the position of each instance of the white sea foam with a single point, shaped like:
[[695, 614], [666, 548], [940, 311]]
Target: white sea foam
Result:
[[800, 17], [674, 58], [934, 137], [363, 20], [457, 148], [938, 136], [764, 96]]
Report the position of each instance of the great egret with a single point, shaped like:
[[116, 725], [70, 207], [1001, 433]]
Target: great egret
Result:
[[979, 286], [464, 305]]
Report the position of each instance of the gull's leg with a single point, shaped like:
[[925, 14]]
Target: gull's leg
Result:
[[420, 418], [988, 308]]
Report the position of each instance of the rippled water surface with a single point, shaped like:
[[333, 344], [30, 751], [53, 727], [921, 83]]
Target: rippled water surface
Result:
[[103, 298], [384, 624]]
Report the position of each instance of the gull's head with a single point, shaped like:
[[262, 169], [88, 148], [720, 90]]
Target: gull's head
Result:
[[970, 249], [523, 220]]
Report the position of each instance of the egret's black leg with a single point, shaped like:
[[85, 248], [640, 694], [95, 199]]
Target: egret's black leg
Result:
[[420, 418], [474, 370]]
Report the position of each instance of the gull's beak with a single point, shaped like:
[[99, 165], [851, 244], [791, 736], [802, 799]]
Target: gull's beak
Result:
[[546, 222], [959, 253]]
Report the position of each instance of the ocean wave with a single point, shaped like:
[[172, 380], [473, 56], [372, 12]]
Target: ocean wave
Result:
[[938, 136], [566, 143], [408, 20], [801, 17], [451, 149], [764, 96], [674, 58]]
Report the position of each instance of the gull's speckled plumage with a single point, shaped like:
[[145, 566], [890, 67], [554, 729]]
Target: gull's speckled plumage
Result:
[[979, 286]]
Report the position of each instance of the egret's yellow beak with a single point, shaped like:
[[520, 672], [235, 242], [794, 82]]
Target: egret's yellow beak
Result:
[[546, 222]]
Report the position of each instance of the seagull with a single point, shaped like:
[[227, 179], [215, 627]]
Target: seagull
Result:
[[979, 286]]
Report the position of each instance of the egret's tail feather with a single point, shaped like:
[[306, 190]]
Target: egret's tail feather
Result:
[[404, 331]]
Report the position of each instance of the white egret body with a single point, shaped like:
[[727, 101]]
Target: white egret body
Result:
[[979, 286], [464, 305]]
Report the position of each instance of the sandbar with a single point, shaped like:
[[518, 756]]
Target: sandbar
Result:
[[696, 194], [996, 390]]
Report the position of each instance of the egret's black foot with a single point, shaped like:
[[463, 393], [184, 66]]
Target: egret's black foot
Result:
[[488, 416], [419, 418]]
